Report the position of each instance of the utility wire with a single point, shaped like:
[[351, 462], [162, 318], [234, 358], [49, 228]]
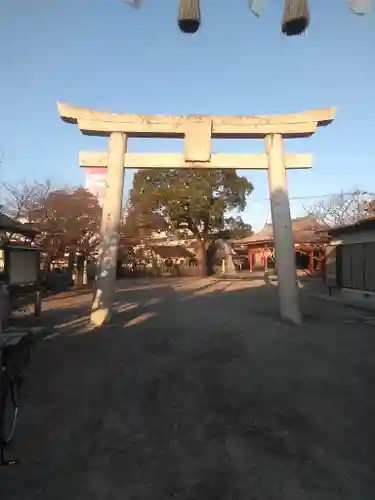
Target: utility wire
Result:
[[317, 197]]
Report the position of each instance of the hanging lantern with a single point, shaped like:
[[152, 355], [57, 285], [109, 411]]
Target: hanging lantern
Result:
[[295, 17], [189, 16]]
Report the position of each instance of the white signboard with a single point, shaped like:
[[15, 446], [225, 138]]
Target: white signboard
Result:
[[96, 182], [23, 266]]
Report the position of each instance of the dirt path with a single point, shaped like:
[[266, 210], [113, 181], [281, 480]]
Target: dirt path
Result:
[[199, 392]]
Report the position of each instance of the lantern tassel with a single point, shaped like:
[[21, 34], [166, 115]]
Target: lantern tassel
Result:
[[189, 16], [296, 17]]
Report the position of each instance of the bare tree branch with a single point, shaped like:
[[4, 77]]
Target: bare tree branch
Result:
[[342, 209], [22, 199]]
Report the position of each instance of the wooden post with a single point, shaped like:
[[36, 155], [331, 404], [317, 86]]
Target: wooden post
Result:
[[320, 261], [84, 279], [311, 261], [38, 304], [4, 307], [109, 230], [282, 227], [251, 260], [265, 260]]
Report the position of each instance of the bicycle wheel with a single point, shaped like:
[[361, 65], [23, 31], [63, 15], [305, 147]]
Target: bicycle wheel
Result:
[[10, 411]]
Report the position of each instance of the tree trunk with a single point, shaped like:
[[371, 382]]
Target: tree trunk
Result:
[[47, 264], [210, 257], [80, 270], [71, 262], [202, 258], [71, 266]]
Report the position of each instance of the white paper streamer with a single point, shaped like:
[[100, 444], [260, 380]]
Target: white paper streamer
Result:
[[257, 6], [360, 7], [136, 4]]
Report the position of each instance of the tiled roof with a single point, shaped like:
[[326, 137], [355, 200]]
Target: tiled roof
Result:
[[13, 226], [172, 252], [368, 222], [305, 229]]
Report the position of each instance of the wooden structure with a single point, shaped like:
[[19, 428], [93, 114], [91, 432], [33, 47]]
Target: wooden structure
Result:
[[309, 238], [19, 262], [197, 132], [350, 259], [9, 226], [19, 268]]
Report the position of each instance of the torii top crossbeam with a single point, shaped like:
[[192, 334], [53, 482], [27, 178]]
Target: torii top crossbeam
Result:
[[102, 123]]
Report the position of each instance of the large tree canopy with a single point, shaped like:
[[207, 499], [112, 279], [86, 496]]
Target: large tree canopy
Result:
[[198, 200], [236, 228], [70, 220]]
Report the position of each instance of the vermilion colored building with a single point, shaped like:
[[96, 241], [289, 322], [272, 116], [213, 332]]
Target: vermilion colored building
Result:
[[310, 239]]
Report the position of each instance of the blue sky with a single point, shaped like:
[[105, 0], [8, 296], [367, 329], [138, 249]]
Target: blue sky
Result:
[[105, 55]]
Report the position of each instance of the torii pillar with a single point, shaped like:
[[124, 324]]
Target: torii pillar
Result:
[[110, 230], [282, 230], [197, 132]]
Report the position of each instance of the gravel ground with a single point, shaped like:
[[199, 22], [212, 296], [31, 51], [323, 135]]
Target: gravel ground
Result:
[[198, 391]]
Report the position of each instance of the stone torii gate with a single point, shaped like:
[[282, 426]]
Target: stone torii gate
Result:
[[197, 132]]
